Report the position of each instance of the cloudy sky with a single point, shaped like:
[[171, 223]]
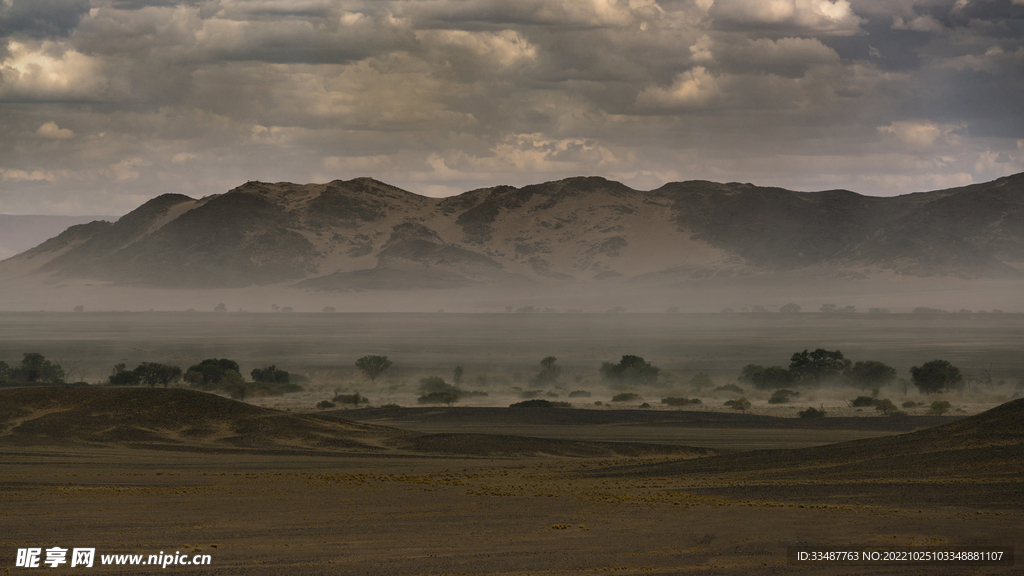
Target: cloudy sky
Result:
[[107, 103]]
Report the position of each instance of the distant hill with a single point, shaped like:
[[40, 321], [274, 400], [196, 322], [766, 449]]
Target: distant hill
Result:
[[19, 233], [363, 234]]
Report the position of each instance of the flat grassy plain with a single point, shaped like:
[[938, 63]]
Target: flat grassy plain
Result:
[[263, 492]]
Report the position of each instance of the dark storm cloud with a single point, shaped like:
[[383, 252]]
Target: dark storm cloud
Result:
[[41, 18], [105, 104]]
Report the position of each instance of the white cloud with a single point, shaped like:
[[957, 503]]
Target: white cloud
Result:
[[50, 71], [812, 15], [695, 88], [921, 135], [52, 131]]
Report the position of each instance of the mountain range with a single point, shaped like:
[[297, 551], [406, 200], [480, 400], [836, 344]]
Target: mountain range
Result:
[[362, 235]]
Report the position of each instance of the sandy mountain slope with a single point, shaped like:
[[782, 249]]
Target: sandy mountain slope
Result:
[[366, 235]]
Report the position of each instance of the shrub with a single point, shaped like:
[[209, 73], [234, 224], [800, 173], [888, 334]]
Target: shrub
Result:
[[580, 394], [325, 404], [391, 405], [701, 380], [885, 406], [680, 401], [730, 388], [539, 403], [812, 413], [645, 405], [741, 404], [908, 404], [938, 408], [782, 396], [353, 399], [438, 398], [625, 397], [629, 370], [863, 401]]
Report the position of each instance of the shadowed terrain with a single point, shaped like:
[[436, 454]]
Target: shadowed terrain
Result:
[[976, 461], [512, 505], [191, 421]]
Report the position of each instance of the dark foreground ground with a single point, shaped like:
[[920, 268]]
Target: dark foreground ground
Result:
[[393, 502]]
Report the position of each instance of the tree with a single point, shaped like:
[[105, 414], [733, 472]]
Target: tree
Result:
[[457, 374], [234, 384], [885, 406], [939, 407], [741, 404], [79, 308], [790, 308], [871, 373], [936, 376], [36, 368], [212, 371], [222, 307], [5, 371], [828, 308], [701, 380], [153, 373], [549, 372], [373, 366], [121, 376], [269, 374], [629, 371], [818, 366]]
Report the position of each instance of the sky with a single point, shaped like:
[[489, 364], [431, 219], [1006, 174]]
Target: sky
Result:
[[105, 104]]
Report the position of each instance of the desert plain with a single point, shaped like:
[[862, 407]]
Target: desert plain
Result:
[[275, 486]]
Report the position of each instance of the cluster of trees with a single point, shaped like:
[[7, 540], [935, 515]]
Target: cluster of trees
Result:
[[630, 371], [34, 369], [824, 366], [148, 373], [210, 374]]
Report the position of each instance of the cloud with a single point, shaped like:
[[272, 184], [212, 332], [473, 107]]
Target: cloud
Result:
[[54, 132], [920, 135], [198, 96], [920, 24], [41, 19], [50, 71], [808, 15], [695, 88], [786, 56]]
